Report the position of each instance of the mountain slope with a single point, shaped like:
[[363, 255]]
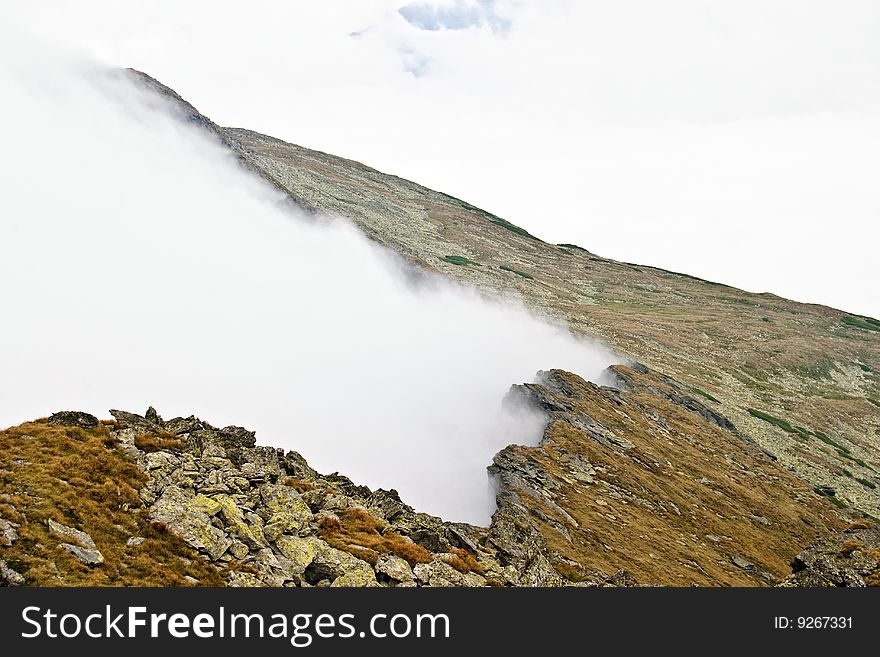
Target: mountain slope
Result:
[[802, 380]]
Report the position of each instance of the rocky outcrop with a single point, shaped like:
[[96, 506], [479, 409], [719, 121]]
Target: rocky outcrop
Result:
[[260, 514], [850, 558]]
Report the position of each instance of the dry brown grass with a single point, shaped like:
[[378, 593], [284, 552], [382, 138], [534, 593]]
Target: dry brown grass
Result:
[[860, 524], [299, 485], [851, 546], [71, 476], [155, 442], [664, 468], [358, 532], [463, 561]]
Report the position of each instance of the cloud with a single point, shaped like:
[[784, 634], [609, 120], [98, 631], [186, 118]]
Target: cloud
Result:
[[461, 15], [141, 265], [683, 134]]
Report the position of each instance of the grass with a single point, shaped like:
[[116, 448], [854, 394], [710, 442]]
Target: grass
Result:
[[573, 246], [865, 368], [503, 223], [158, 443], [874, 401], [461, 260], [828, 441], [299, 485], [866, 323], [75, 476], [361, 534], [779, 422], [705, 394], [357, 532], [817, 371], [831, 498], [516, 271], [867, 483]]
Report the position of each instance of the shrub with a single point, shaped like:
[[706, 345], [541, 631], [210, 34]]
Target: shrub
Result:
[[866, 323]]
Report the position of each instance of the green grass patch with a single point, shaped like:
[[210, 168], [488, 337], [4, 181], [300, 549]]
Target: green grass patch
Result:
[[817, 371], [754, 372], [705, 394], [866, 323], [865, 368], [867, 483], [573, 246], [874, 401], [779, 422], [831, 498], [513, 228], [765, 319], [461, 261], [828, 441], [516, 271]]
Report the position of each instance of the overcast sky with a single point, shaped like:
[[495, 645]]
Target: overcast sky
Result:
[[738, 141]]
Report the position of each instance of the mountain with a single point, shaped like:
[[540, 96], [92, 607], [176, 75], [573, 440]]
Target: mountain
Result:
[[742, 437]]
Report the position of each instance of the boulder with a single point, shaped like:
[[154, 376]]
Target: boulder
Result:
[[74, 419], [183, 516], [9, 577]]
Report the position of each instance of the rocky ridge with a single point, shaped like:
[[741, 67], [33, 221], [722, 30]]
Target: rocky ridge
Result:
[[640, 483]]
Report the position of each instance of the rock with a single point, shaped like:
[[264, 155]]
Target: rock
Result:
[[134, 421], [300, 552], [239, 579], [179, 425], [89, 557], [8, 535], [740, 562], [152, 416], [234, 520], [70, 534], [207, 505], [394, 568], [184, 517], [74, 419], [9, 577], [134, 541], [440, 573], [190, 579], [284, 510], [850, 558], [332, 564], [239, 550]]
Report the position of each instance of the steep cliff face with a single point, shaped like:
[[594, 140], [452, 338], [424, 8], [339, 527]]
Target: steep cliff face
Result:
[[638, 485]]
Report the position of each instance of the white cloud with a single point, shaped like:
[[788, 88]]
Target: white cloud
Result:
[[141, 266]]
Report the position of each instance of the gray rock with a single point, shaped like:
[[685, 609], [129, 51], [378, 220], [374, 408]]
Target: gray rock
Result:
[[8, 535], [74, 419], [89, 557], [394, 568], [134, 541], [183, 516], [9, 577], [71, 535]]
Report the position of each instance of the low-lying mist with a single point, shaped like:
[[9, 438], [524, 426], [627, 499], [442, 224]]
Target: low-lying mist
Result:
[[140, 265]]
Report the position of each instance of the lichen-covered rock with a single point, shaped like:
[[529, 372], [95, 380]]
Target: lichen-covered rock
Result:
[[439, 573], [74, 419], [184, 517], [284, 511], [394, 568], [234, 520], [300, 552]]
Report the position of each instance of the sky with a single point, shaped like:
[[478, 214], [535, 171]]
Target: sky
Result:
[[141, 265], [735, 141]]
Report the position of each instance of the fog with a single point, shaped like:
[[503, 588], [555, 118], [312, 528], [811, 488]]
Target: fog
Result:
[[140, 265]]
